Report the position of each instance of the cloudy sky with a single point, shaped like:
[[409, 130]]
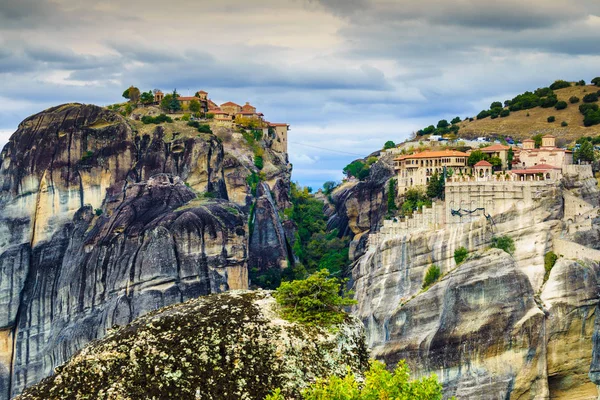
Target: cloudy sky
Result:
[[347, 75]]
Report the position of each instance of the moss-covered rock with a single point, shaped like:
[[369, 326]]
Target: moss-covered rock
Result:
[[227, 346]]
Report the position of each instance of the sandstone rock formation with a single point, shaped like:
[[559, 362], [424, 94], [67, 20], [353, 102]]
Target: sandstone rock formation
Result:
[[492, 327], [103, 219], [226, 346]]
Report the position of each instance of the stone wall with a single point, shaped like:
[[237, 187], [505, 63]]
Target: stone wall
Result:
[[575, 251]]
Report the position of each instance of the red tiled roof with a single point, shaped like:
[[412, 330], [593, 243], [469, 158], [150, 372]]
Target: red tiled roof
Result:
[[494, 148], [203, 92], [528, 140], [230, 103], [187, 98], [483, 163], [434, 154], [277, 124], [536, 169], [247, 113], [216, 111]]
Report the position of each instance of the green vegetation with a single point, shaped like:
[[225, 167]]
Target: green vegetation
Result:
[[357, 169], [573, 99], [159, 119], [538, 140], [596, 81], [329, 186], [590, 97], [258, 162], [147, 97], [551, 118], [560, 84], [564, 123], [432, 274], [414, 199], [550, 259], [391, 196], [460, 255], [87, 156], [475, 157], [504, 113], [315, 248], [202, 128], [561, 105], [315, 300], [378, 384], [253, 180], [503, 243], [585, 152], [194, 106], [98, 212], [132, 94], [389, 145], [455, 121], [436, 186]]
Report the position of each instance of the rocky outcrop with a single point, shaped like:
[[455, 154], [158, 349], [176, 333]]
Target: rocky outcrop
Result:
[[227, 346], [104, 219], [493, 327]]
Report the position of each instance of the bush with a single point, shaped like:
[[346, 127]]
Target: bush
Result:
[[564, 123], [460, 255], [596, 81], [574, 99], [147, 119], [549, 261], [315, 300], [560, 84], [585, 108], [456, 120], [431, 276], [204, 128], [548, 102], [504, 113], [483, 114], [379, 383], [495, 104], [580, 83], [357, 169], [186, 117], [591, 118], [504, 243], [258, 162], [590, 98], [551, 118], [561, 105], [389, 145], [98, 212]]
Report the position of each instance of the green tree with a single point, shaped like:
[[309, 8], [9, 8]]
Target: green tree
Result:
[[391, 196], [560, 84], [483, 114], [460, 255], [442, 124], [564, 123], [503, 243], [315, 300], [495, 104], [585, 152], [126, 93], [378, 384], [435, 187], [134, 95], [147, 97], [414, 199], [510, 156], [475, 157], [538, 140], [590, 98], [573, 99], [496, 163], [431, 276], [504, 113], [551, 118], [591, 118], [357, 169], [456, 120], [561, 105], [596, 81], [329, 186], [174, 103], [389, 145], [550, 259], [194, 106]]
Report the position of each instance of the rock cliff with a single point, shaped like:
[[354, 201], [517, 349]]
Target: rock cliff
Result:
[[494, 326], [227, 346], [103, 219]]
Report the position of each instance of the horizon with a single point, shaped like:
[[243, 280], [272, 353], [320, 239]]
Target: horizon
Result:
[[347, 76]]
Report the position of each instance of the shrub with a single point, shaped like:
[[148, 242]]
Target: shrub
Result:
[[590, 98], [548, 102], [357, 169], [585, 108], [483, 114], [596, 81], [204, 128], [253, 180], [505, 113], [442, 123], [574, 99], [186, 117], [389, 145], [98, 212], [455, 120], [591, 118], [551, 118], [564, 123], [379, 383], [560, 105], [560, 84], [431, 276], [258, 162], [147, 119], [391, 198], [315, 300], [549, 261], [495, 104], [504, 243], [580, 83], [460, 255]]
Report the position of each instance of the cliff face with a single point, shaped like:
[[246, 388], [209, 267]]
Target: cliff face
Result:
[[226, 346], [491, 327], [101, 221]]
